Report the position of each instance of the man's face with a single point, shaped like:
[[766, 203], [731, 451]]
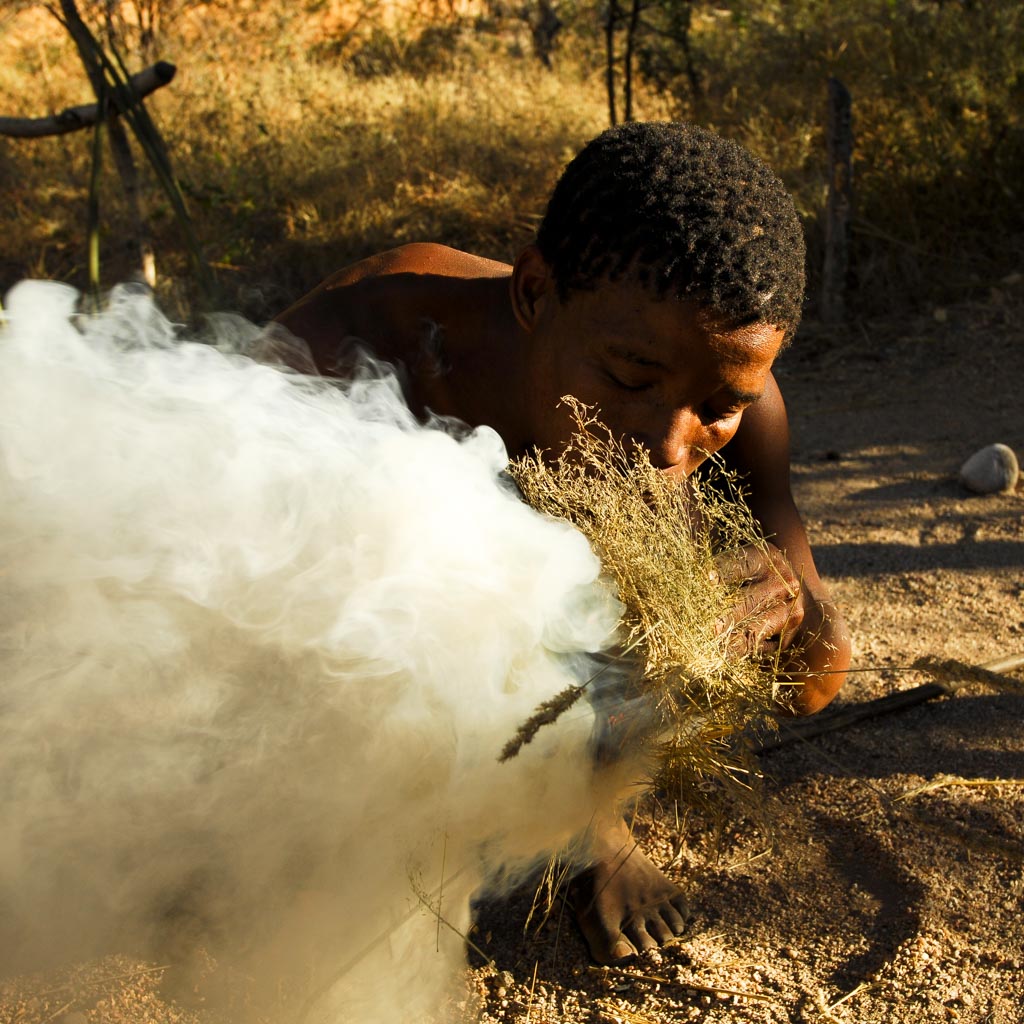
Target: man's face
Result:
[[664, 374]]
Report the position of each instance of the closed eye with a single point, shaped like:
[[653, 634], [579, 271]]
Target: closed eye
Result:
[[627, 385], [726, 409], [631, 371]]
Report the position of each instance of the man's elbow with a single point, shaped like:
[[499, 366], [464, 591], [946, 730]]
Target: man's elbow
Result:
[[815, 693], [827, 662]]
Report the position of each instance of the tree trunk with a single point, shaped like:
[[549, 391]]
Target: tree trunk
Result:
[[696, 89], [634, 18], [839, 203], [611, 23]]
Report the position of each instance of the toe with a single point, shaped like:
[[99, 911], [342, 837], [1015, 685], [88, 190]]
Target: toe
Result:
[[673, 919], [606, 946], [680, 913], [640, 936], [660, 929], [621, 949]]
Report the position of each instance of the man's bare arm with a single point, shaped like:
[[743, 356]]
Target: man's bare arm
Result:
[[818, 655]]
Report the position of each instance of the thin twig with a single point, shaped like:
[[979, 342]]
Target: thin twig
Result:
[[533, 985], [57, 1013], [621, 1011], [93, 209], [440, 893], [941, 781], [863, 986], [100, 982], [633, 975], [757, 997], [423, 898], [696, 986]]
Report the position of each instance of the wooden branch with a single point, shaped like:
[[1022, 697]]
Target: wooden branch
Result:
[[839, 204], [75, 118], [949, 675]]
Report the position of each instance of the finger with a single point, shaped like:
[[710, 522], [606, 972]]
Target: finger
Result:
[[756, 565], [776, 617], [767, 631], [792, 628], [742, 643], [760, 600], [739, 564], [765, 607]]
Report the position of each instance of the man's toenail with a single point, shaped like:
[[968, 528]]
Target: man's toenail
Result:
[[622, 949]]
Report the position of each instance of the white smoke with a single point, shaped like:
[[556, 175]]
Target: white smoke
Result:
[[262, 640]]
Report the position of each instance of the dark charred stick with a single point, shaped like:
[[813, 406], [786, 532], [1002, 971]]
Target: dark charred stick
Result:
[[949, 675]]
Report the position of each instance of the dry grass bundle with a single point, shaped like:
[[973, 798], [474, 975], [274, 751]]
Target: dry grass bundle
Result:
[[658, 540]]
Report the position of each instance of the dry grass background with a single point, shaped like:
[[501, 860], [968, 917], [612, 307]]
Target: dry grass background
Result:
[[294, 164], [308, 135]]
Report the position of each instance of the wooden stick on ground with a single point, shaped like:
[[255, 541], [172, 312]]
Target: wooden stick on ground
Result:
[[949, 675]]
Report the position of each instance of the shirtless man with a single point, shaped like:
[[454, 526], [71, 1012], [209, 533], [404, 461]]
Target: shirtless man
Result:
[[666, 276]]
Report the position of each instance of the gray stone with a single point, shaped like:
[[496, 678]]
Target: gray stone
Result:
[[990, 470]]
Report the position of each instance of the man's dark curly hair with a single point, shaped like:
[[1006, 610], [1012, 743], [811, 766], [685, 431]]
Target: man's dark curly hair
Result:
[[683, 211]]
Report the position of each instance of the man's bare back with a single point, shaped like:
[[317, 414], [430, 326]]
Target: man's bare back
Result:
[[681, 377]]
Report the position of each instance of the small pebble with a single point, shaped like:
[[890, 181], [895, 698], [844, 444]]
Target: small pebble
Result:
[[990, 470]]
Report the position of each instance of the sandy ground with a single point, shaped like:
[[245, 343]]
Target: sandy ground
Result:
[[886, 882]]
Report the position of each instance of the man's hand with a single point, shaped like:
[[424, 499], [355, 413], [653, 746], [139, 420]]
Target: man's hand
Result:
[[778, 616], [770, 606]]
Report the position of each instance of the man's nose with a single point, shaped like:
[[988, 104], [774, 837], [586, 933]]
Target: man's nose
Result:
[[677, 444]]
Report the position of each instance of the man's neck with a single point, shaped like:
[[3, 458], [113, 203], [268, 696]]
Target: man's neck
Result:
[[484, 347]]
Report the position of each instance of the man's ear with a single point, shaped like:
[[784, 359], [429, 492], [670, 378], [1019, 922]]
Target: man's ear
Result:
[[531, 289]]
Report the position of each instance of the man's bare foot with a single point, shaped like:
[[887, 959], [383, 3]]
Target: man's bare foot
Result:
[[624, 904]]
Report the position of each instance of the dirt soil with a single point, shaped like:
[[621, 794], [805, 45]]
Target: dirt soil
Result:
[[887, 884]]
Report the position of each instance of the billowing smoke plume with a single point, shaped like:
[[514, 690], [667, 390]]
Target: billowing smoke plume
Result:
[[262, 640]]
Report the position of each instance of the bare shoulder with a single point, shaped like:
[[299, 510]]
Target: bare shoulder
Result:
[[382, 288], [385, 301], [419, 258], [760, 453]]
